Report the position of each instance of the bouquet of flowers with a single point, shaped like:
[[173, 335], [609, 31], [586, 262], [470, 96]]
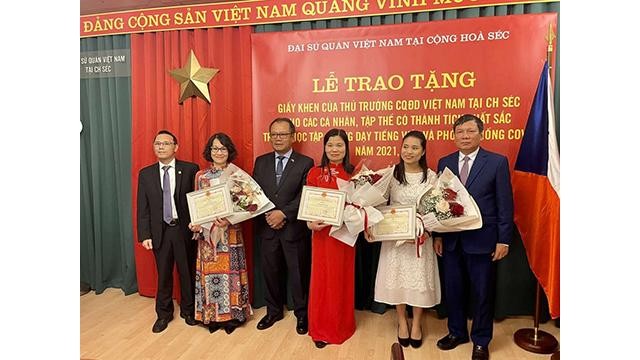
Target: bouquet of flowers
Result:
[[244, 199], [248, 201], [364, 190], [366, 176], [247, 196], [446, 206]]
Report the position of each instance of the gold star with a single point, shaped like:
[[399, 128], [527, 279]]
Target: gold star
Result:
[[193, 79]]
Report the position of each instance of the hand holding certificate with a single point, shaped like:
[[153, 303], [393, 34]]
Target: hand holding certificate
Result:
[[399, 223], [322, 204], [207, 204], [236, 197]]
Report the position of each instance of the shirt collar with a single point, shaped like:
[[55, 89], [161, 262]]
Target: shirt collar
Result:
[[286, 155], [172, 164], [471, 156]]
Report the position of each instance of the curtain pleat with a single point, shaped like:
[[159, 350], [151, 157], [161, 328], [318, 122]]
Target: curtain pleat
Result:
[[106, 239]]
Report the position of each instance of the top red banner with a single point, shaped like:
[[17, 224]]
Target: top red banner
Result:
[[254, 12]]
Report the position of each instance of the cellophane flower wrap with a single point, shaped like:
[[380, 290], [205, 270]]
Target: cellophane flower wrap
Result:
[[446, 206], [247, 196], [248, 201], [366, 189]]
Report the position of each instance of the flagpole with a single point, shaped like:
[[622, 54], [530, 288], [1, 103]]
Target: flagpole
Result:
[[536, 340], [550, 37]]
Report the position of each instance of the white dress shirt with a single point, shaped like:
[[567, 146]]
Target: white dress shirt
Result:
[[472, 158], [286, 155]]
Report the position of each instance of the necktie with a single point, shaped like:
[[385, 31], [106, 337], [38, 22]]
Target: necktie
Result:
[[464, 172], [279, 169], [167, 214]]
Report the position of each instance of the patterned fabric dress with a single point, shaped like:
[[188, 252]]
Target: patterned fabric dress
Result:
[[332, 290], [222, 283], [402, 277]]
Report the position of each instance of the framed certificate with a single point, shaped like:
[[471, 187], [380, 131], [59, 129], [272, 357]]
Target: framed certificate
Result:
[[322, 204], [210, 203], [399, 223]]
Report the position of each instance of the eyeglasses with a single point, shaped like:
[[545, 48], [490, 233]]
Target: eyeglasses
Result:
[[279, 135], [219, 149], [161, 143], [470, 132]]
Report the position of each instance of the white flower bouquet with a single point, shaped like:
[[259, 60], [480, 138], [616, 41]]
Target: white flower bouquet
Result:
[[364, 190]]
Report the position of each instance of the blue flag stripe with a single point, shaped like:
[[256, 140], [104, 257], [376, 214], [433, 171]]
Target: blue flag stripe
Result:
[[533, 156]]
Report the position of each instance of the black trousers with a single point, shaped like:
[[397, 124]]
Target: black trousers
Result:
[[175, 248], [282, 259], [476, 272]]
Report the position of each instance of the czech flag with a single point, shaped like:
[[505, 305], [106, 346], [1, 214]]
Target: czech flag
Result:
[[536, 190]]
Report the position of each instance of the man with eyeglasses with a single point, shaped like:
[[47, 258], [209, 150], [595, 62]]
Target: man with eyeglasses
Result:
[[163, 219], [285, 242]]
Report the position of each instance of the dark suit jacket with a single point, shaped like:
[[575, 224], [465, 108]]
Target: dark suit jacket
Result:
[[285, 196], [150, 200], [489, 183]]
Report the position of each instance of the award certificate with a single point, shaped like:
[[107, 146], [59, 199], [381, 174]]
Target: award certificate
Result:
[[399, 223], [322, 204], [210, 203]]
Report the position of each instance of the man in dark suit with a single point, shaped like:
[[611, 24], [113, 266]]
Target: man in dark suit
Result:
[[469, 256], [163, 218], [286, 242]]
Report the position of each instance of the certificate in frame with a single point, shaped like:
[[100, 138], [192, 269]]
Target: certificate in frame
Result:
[[210, 203], [318, 203], [399, 223]]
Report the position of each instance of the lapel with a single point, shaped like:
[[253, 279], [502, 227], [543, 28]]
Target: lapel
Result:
[[452, 164], [179, 170], [156, 176], [287, 168], [478, 164], [271, 168]]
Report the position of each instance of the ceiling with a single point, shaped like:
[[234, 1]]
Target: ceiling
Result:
[[88, 7]]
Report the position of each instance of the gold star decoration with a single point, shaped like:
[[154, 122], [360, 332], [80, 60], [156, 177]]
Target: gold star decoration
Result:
[[193, 79]]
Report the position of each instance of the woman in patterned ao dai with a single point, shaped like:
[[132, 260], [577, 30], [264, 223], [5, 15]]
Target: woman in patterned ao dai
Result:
[[403, 277], [222, 283]]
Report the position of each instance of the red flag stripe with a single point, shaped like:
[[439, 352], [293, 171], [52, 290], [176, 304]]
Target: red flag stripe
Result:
[[537, 213]]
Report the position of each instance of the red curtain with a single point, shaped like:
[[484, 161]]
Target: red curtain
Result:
[[155, 106]]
